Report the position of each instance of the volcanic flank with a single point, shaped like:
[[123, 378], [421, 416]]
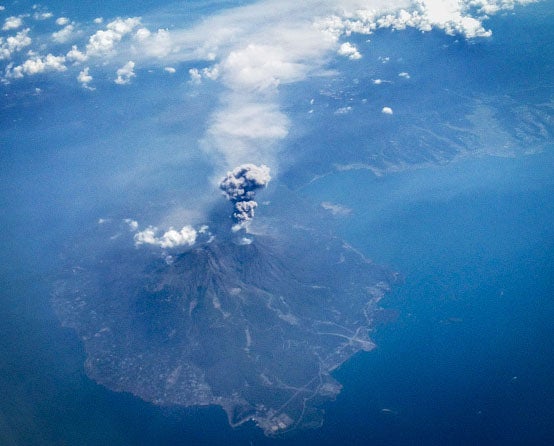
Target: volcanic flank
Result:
[[256, 327]]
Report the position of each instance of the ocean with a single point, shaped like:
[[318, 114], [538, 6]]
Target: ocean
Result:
[[468, 361]]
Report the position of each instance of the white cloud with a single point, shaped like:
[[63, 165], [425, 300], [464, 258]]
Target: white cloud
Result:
[[85, 78], [102, 42], [98, 20], [211, 73], [170, 239], [197, 75], [350, 51], [37, 65], [245, 129], [336, 209], [254, 53], [261, 67], [381, 81], [142, 34], [12, 23], [62, 21], [2, 8], [170, 70], [157, 45], [125, 73], [42, 15], [148, 237], [64, 35], [133, 224], [404, 75], [14, 43], [464, 17], [75, 55], [251, 121], [343, 110], [387, 110]]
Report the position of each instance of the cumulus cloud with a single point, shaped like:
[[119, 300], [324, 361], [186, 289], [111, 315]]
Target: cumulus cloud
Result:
[[12, 23], [387, 110], [157, 44], [125, 73], [404, 75], [14, 43], [75, 55], [197, 75], [169, 239], [65, 34], [43, 15], [37, 64], [170, 70], [142, 34], [464, 17], [240, 186], [133, 224], [350, 51], [271, 42], [102, 42], [85, 78]]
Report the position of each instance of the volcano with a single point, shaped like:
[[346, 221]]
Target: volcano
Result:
[[255, 325]]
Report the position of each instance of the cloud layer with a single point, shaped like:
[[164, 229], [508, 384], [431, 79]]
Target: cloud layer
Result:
[[251, 50]]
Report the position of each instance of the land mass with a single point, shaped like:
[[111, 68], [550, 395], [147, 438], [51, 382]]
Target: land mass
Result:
[[254, 325]]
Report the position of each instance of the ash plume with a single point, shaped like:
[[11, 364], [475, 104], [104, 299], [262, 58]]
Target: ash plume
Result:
[[240, 186]]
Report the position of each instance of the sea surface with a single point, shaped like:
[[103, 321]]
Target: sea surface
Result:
[[464, 353], [468, 361]]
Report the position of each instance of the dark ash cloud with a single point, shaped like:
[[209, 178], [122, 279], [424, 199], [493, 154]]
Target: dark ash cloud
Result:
[[240, 186], [244, 210]]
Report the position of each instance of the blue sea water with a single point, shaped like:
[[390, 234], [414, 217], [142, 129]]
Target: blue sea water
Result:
[[467, 361]]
